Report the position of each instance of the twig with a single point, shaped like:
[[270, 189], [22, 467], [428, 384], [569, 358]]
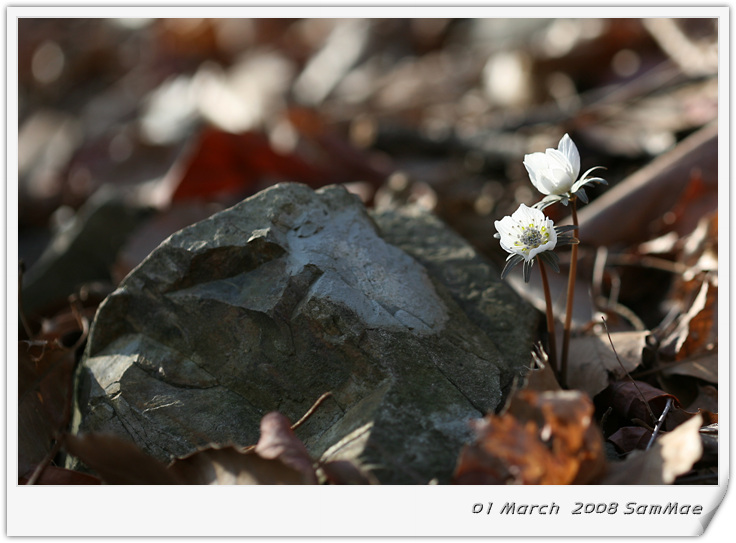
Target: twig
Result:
[[311, 411], [301, 421], [651, 413], [660, 422]]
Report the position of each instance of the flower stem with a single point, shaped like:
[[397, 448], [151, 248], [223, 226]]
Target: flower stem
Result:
[[550, 316], [570, 296]]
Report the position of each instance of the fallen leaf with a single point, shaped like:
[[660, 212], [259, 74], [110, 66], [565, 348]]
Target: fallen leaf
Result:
[[634, 399], [541, 375], [35, 429], [278, 458], [593, 364], [278, 442], [344, 472], [630, 438], [54, 475], [45, 381], [229, 465], [703, 367], [706, 399], [542, 438], [221, 164], [696, 330], [117, 461], [671, 455]]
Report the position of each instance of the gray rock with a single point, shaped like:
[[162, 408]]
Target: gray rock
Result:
[[293, 293]]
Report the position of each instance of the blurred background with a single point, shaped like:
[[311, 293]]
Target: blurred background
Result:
[[130, 129]]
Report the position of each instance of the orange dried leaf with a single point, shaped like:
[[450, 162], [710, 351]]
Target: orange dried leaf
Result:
[[543, 438], [697, 329]]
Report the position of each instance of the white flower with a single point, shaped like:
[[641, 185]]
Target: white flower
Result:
[[555, 170], [555, 173], [528, 233]]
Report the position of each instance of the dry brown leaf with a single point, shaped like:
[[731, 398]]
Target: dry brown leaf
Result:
[[541, 375], [278, 442], [543, 438], [279, 458], [706, 399], [630, 438], [232, 466], [697, 329], [700, 367], [53, 475], [634, 399], [592, 363], [35, 428], [117, 461], [45, 381], [344, 472], [672, 455]]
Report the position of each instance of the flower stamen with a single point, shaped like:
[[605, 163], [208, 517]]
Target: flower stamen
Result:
[[531, 237]]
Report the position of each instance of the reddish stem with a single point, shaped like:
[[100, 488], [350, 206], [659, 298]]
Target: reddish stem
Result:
[[570, 297], [550, 316]]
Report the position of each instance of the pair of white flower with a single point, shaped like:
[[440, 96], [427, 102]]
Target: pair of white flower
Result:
[[528, 233]]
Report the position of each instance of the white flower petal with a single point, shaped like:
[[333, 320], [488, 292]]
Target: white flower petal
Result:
[[558, 160], [523, 232], [568, 148], [555, 171], [535, 161], [536, 165]]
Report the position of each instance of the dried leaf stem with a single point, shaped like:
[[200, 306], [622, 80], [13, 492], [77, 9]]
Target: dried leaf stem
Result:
[[570, 297], [550, 318], [302, 420], [643, 398], [660, 422], [311, 410]]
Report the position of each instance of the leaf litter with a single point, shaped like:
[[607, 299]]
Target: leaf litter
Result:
[[145, 127]]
